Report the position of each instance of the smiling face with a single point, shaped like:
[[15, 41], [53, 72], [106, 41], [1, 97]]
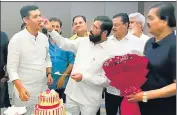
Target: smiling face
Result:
[[79, 25]]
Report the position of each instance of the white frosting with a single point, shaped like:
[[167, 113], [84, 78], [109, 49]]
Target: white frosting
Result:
[[53, 92]]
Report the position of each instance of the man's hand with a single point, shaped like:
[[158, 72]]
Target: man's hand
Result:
[[135, 97], [4, 79], [50, 79], [61, 81], [23, 94], [47, 25], [77, 77]]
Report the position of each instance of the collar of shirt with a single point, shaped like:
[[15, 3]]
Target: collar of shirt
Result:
[[154, 43], [29, 34], [51, 44], [127, 37], [99, 44], [144, 37]]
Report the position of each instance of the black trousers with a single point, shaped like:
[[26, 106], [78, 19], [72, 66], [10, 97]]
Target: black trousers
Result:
[[162, 106], [98, 112], [4, 94], [112, 103], [61, 94]]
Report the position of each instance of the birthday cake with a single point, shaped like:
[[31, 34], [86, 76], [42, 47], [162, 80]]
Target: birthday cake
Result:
[[49, 103]]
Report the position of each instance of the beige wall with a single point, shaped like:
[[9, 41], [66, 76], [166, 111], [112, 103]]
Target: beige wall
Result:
[[11, 20]]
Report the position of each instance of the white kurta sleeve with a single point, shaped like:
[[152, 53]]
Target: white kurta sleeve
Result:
[[64, 43], [13, 59], [96, 79]]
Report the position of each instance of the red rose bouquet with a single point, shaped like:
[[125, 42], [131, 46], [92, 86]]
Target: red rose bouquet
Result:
[[127, 73]]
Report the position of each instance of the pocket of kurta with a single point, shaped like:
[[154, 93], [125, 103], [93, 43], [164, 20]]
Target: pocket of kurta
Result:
[[43, 53]]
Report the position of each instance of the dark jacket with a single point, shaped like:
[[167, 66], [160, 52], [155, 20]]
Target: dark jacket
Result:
[[3, 50]]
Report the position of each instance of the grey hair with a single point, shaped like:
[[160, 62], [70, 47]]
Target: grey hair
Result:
[[138, 17]]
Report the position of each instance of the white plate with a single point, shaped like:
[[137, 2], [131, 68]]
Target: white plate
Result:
[[15, 110]]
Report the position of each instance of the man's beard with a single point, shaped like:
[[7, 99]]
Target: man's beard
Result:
[[95, 38]]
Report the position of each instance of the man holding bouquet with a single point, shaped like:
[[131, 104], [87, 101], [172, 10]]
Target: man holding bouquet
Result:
[[121, 43]]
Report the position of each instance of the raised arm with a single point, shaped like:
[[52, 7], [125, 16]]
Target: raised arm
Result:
[[63, 43]]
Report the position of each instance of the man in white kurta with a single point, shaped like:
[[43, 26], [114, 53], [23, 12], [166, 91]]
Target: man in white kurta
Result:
[[27, 61], [85, 95], [120, 43]]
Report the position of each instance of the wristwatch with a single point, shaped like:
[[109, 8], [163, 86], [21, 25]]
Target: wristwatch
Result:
[[48, 74], [145, 98]]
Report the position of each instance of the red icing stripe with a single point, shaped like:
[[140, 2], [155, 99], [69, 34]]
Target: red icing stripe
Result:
[[48, 107]]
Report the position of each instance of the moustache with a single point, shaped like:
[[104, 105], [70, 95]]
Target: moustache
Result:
[[91, 33], [114, 30]]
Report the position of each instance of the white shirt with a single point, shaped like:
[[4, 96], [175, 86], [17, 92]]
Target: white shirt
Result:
[[128, 44], [28, 58], [88, 61], [144, 38]]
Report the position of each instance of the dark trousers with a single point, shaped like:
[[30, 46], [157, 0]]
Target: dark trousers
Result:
[[98, 112], [61, 94], [4, 94], [161, 106], [112, 103]]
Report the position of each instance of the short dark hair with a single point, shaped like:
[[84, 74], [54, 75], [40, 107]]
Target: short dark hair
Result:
[[166, 11], [23, 25], [124, 17], [24, 11], [56, 19], [83, 17], [106, 23]]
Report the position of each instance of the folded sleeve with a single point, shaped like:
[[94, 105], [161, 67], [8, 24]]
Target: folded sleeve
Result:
[[96, 79], [71, 57]]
